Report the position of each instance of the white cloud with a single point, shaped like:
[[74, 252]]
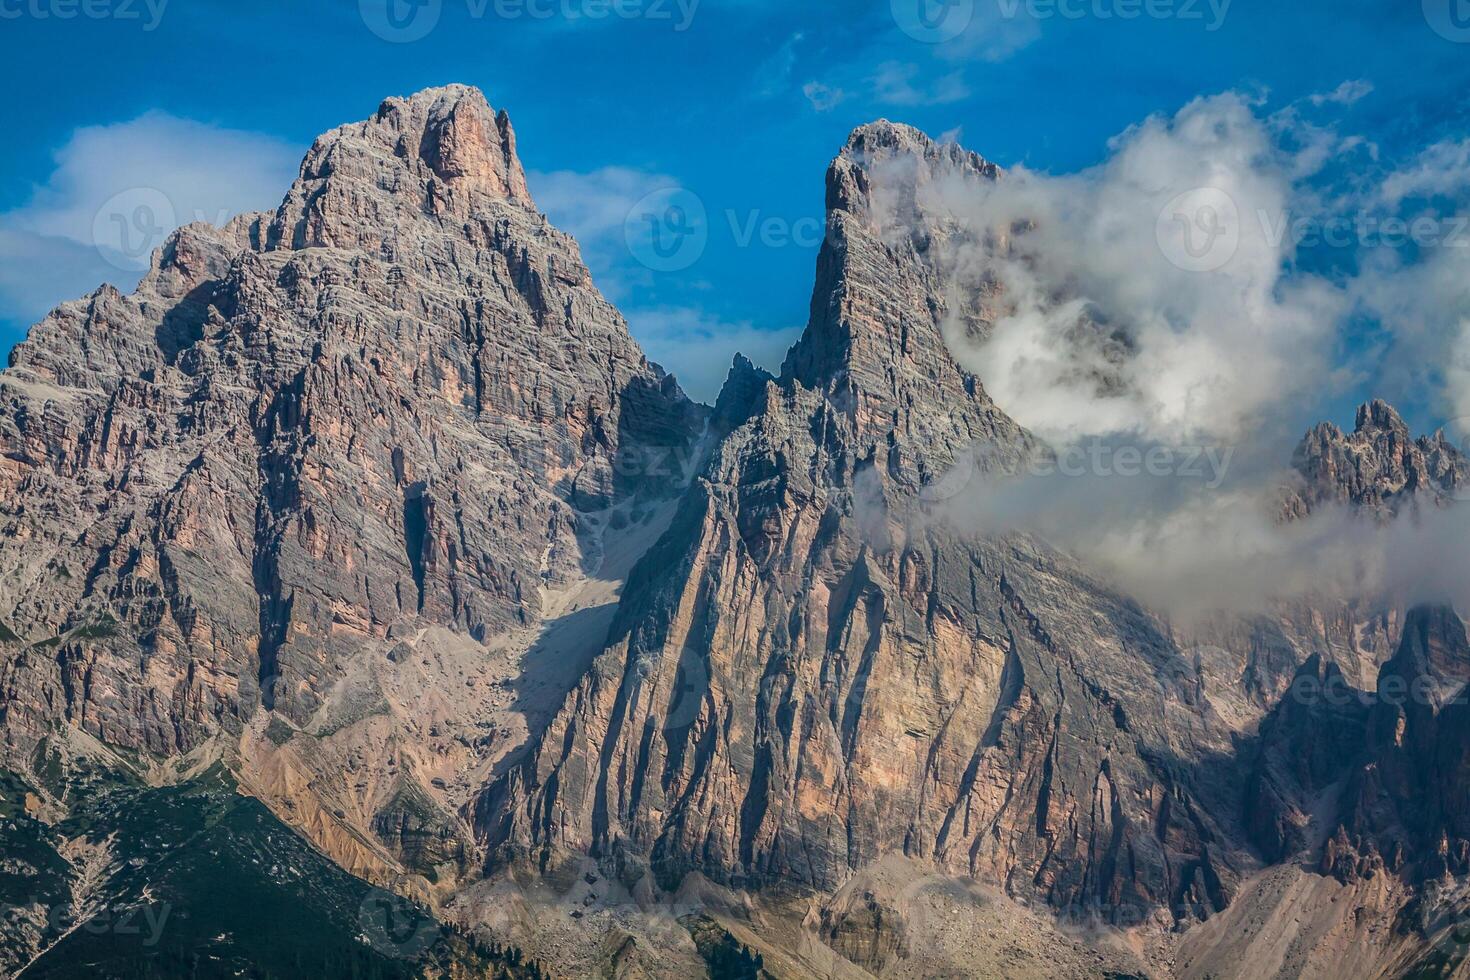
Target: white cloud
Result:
[[594, 208], [38, 271], [774, 77], [1103, 335], [1190, 551], [697, 348], [1425, 307], [1348, 93], [116, 192], [1441, 170], [1149, 295]]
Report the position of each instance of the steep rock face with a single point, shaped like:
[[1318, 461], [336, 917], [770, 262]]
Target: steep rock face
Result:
[[1380, 465], [1404, 807], [809, 673], [1356, 798], [379, 410], [1306, 745]]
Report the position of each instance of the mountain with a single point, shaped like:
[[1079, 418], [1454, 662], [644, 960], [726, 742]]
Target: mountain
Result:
[[1380, 466], [363, 533], [311, 442], [807, 676]]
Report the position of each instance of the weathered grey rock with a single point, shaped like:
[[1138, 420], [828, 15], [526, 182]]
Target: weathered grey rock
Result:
[[380, 408], [1380, 466]]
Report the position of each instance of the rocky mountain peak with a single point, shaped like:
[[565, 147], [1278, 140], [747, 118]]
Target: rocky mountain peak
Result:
[[442, 153], [886, 173], [389, 403], [465, 140], [1381, 465], [1379, 416], [875, 342]]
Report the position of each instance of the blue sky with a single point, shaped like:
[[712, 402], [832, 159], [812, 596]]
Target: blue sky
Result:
[[740, 102]]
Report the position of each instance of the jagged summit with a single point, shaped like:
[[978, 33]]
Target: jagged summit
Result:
[[1380, 465], [884, 138], [885, 169], [453, 130], [1379, 415], [441, 154]]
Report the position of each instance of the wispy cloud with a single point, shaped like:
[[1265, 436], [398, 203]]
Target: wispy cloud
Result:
[[1348, 93], [896, 83], [593, 206], [1158, 303], [823, 98], [773, 78], [1114, 325], [1440, 170], [995, 32]]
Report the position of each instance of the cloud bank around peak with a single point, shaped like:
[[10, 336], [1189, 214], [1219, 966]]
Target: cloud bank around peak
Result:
[[1203, 289], [1149, 294]]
